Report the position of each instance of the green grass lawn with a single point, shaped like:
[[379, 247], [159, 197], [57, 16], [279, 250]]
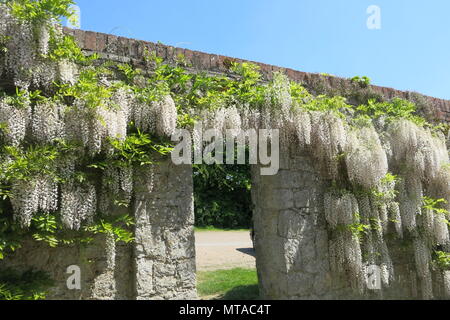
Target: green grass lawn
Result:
[[234, 284], [208, 229]]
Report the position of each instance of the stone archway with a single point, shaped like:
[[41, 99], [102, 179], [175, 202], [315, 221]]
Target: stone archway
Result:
[[292, 256]]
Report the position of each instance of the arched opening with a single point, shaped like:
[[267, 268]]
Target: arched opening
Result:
[[223, 230]]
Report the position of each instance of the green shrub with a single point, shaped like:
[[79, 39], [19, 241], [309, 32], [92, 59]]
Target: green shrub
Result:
[[222, 196], [30, 285]]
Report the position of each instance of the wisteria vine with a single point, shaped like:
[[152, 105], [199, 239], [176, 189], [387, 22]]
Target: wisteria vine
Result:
[[66, 119]]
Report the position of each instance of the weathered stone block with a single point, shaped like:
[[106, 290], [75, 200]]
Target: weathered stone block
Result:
[[181, 244], [292, 224], [300, 284], [278, 199], [302, 163], [284, 179], [305, 199]]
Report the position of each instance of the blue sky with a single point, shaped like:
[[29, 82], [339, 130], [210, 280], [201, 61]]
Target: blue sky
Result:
[[409, 52]]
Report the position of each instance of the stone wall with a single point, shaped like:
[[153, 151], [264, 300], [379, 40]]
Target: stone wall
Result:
[[122, 49], [291, 234], [100, 279], [160, 264], [291, 243], [292, 252]]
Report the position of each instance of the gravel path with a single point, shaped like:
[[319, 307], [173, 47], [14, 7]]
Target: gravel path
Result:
[[223, 250]]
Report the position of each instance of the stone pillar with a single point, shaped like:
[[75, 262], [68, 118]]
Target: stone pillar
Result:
[[291, 235], [164, 251], [292, 251]]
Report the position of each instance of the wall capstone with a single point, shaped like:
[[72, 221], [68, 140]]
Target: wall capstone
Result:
[[131, 50]]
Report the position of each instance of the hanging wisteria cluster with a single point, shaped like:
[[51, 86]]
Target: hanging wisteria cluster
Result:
[[46, 121], [16, 119], [29, 197], [26, 51]]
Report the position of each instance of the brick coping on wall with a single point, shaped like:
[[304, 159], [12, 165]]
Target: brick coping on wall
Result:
[[130, 50]]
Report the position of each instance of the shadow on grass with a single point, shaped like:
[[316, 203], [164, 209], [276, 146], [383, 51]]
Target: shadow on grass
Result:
[[229, 284], [241, 293]]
